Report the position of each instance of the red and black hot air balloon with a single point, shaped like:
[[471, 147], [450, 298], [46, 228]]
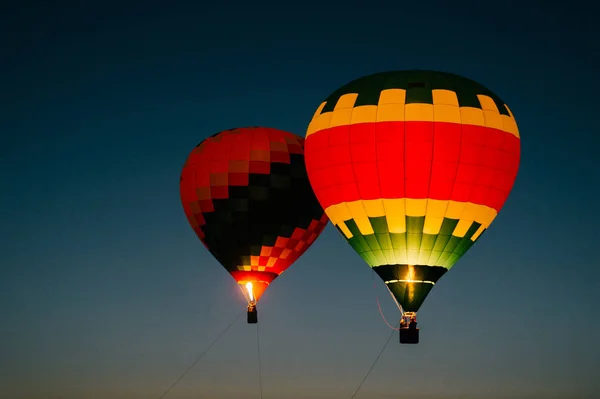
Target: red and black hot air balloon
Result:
[[246, 194], [412, 167]]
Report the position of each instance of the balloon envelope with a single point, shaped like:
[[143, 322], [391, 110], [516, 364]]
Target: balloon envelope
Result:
[[412, 167], [246, 194]]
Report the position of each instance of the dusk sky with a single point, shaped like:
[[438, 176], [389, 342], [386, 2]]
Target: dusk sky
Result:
[[107, 293]]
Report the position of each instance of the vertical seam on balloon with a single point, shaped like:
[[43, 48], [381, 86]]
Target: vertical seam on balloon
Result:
[[375, 126], [486, 199], [472, 188], [505, 138], [390, 259], [404, 181], [356, 179], [337, 183], [384, 256], [455, 177], [479, 167], [434, 125], [454, 180], [374, 138]]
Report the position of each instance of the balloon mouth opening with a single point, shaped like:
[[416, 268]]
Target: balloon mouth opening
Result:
[[252, 290]]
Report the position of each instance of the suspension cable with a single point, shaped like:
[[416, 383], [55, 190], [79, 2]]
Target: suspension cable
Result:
[[259, 363], [373, 365], [394, 299], [201, 356], [384, 319], [379, 304]]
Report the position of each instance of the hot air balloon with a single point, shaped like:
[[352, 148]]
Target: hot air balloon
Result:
[[412, 167], [246, 194]]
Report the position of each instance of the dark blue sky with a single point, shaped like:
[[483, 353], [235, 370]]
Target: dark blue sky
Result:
[[105, 291]]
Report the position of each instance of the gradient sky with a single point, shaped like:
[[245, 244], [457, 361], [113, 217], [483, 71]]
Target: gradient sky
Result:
[[105, 291]]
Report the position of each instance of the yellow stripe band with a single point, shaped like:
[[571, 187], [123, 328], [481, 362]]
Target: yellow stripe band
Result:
[[396, 211], [392, 107]]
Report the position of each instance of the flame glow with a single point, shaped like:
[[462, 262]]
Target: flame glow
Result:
[[250, 293], [411, 278]]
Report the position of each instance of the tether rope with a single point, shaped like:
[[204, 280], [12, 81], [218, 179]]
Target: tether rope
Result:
[[200, 357]]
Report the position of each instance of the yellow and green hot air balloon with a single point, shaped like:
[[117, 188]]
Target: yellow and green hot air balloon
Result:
[[412, 167]]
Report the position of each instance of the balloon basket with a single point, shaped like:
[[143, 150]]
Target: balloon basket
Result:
[[252, 314], [409, 335]]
